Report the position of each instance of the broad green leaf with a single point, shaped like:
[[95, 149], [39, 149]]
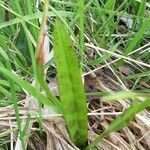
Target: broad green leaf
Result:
[[70, 85]]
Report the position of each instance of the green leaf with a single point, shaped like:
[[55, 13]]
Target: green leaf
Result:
[[13, 96], [119, 96], [138, 75], [147, 4], [138, 36], [29, 88], [105, 56], [39, 70], [141, 12], [70, 85]]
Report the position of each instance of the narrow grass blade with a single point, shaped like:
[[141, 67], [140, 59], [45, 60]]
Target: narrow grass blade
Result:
[[29, 88], [7, 132], [137, 37], [14, 98], [81, 26], [141, 12], [119, 96], [105, 56], [122, 120], [70, 85], [138, 75], [147, 4], [40, 58], [2, 15], [17, 15], [3, 91]]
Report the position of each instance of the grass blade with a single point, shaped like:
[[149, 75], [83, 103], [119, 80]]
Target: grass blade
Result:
[[137, 37], [122, 120], [70, 86], [29, 88], [119, 95], [14, 99], [105, 56], [141, 12], [40, 76], [81, 25]]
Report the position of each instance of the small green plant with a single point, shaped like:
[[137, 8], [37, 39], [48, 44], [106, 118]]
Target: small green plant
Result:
[[72, 94], [71, 91]]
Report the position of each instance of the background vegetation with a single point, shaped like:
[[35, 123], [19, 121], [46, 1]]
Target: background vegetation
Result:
[[107, 42]]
